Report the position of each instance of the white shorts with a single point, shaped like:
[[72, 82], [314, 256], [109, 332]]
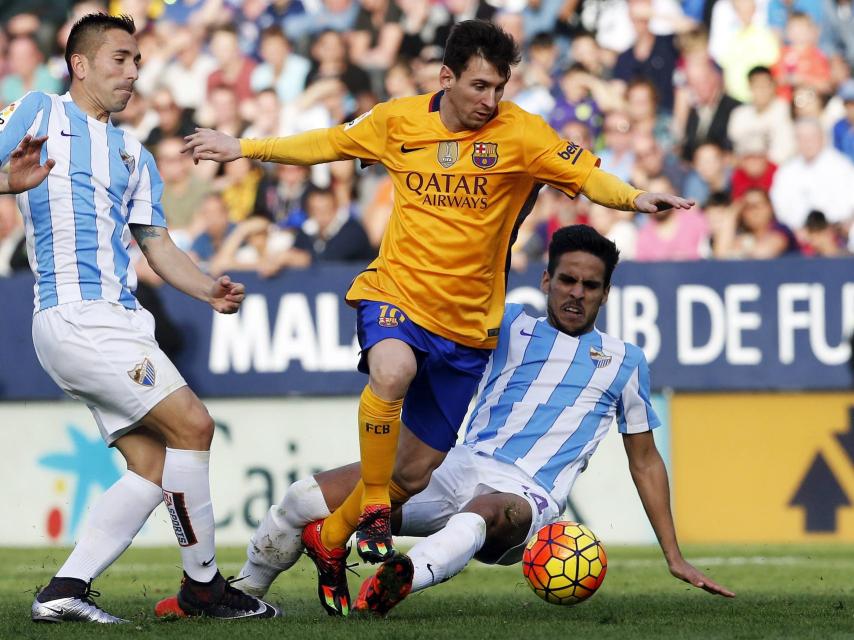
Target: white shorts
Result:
[[105, 355], [465, 475]]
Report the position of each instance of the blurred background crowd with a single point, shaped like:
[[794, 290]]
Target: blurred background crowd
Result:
[[745, 106]]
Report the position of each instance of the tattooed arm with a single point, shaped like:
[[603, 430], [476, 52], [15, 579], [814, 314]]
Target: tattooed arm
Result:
[[176, 268]]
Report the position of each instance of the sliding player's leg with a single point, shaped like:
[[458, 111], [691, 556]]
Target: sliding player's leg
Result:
[[495, 522], [501, 509], [277, 544]]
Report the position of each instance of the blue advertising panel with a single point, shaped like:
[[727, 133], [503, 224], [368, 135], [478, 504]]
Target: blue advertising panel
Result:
[[774, 325]]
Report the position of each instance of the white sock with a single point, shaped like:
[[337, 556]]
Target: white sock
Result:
[[276, 544], [113, 521], [187, 494], [444, 554]]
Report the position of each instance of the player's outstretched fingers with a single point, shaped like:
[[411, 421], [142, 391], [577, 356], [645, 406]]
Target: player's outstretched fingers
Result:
[[682, 203], [712, 587]]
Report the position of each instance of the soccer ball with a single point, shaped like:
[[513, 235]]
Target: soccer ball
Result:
[[564, 563]]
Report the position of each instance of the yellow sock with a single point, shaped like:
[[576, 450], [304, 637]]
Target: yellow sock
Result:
[[339, 526], [398, 496], [379, 428]]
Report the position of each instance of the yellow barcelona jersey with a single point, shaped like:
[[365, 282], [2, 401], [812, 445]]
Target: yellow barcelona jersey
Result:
[[459, 199]]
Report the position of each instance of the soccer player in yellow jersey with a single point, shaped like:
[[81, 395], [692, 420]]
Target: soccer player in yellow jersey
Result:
[[466, 169]]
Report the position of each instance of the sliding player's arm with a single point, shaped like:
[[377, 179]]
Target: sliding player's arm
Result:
[[650, 477], [636, 418]]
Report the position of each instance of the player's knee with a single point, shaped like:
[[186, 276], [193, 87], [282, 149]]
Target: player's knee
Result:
[[198, 429], [493, 539], [303, 502], [390, 378], [503, 532], [487, 509], [507, 519]]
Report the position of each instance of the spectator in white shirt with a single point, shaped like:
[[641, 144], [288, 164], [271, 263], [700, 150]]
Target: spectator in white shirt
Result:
[[818, 177], [766, 115]]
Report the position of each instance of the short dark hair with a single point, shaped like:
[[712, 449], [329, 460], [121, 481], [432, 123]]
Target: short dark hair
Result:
[[542, 39], [575, 67], [816, 221], [759, 70], [480, 38], [718, 199], [84, 36], [580, 237]]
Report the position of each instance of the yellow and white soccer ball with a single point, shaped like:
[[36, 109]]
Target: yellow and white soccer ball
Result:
[[564, 563]]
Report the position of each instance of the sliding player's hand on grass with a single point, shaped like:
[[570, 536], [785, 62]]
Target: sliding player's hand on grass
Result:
[[684, 570]]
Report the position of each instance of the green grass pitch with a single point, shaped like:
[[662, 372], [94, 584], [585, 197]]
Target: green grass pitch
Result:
[[783, 592]]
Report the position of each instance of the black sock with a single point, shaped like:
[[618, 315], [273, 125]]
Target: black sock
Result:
[[62, 588]]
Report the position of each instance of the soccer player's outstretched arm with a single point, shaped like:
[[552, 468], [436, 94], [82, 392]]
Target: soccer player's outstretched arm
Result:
[[608, 190], [25, 168], [572, 169], [176, 268], [650, 477], [364, 138], [311, 147]]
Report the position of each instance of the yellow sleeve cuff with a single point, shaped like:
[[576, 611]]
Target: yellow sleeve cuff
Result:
[[608, 190], [311, 147]]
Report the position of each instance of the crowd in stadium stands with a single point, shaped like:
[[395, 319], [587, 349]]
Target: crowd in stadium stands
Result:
[[746, 106]]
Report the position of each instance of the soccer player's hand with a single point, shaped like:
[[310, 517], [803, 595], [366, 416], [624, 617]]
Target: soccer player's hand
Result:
[[650, 202], [684, 570], [226, 296], [207, 144], [25, 168]]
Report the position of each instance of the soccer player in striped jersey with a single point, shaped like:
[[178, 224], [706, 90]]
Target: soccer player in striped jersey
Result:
[[85, 190], [466, 169], [552, 388]]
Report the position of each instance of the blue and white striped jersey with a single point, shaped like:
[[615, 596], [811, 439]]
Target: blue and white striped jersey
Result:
[[547, 399], [77, 219]]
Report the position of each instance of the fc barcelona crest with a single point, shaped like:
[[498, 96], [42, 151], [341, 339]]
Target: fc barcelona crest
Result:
[[449, 153], [484, 155]]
